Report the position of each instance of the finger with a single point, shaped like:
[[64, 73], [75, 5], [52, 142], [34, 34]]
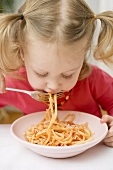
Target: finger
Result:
[[108, 139], [106, 119], [109, 144], [2, 83], [110, 133]]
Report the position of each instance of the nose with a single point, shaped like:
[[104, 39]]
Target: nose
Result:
[[53, 86]]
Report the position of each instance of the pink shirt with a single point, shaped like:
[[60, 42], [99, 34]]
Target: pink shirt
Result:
[[86, 96]]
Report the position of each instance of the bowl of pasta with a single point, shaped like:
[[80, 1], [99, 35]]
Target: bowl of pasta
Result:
[[58, 134], [72, 133]]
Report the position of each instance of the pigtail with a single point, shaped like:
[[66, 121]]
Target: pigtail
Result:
[[9, 50], [104, 49]]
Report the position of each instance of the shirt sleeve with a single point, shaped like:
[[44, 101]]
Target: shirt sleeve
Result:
[[102, 89]]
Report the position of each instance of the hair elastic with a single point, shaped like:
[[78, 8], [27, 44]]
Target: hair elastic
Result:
[[95, 16], [21, 16]]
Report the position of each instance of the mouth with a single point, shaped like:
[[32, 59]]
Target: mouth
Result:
[[51, 92]]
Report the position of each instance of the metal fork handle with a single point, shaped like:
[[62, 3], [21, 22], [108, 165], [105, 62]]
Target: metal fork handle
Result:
[[18, 90]]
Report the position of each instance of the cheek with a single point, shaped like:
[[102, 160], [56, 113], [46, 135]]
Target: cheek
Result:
[[69, 84], [35, 82], [74, 80]]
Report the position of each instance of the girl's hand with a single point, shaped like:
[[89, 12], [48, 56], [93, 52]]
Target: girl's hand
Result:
[[2, 83], [108, 140]]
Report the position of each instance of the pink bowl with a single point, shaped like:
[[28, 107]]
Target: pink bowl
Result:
[[22, 124]]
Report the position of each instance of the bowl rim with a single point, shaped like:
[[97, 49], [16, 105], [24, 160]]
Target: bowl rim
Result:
[[86, 145]]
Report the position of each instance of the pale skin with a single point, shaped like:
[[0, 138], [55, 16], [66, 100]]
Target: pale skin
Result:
[[52, 67]]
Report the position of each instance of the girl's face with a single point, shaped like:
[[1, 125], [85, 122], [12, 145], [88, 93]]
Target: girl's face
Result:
[[53, 67]]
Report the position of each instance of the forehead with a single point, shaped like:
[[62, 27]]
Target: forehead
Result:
[[34, 45], [43, 54]]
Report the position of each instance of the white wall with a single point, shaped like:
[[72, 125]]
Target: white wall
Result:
[[100, 5], [93, 4], [18, 3]]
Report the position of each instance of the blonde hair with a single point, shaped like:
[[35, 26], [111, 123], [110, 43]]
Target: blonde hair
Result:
[[51, 20]]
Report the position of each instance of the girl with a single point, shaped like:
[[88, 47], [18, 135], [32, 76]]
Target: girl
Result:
[[44, 47]]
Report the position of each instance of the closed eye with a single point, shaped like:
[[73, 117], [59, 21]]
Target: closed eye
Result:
[[67, 76], [42, 75]]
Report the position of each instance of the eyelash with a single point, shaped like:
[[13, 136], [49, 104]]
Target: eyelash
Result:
[[41, 75], [64, 76], [67, 77]]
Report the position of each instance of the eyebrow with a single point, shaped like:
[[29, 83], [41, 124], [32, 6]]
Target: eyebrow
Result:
[[72, 69], [40, 70]]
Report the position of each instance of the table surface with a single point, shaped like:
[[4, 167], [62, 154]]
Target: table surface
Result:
[[14, 156]]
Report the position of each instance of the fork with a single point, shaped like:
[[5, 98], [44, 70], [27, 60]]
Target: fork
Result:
[[39, 96]]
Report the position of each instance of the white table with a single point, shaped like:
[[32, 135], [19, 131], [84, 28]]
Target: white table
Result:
[[13, 156]]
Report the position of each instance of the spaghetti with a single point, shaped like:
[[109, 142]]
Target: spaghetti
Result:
[[54, 132]]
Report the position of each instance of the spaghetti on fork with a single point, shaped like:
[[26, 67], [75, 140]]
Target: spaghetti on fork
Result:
[[54, 132]]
